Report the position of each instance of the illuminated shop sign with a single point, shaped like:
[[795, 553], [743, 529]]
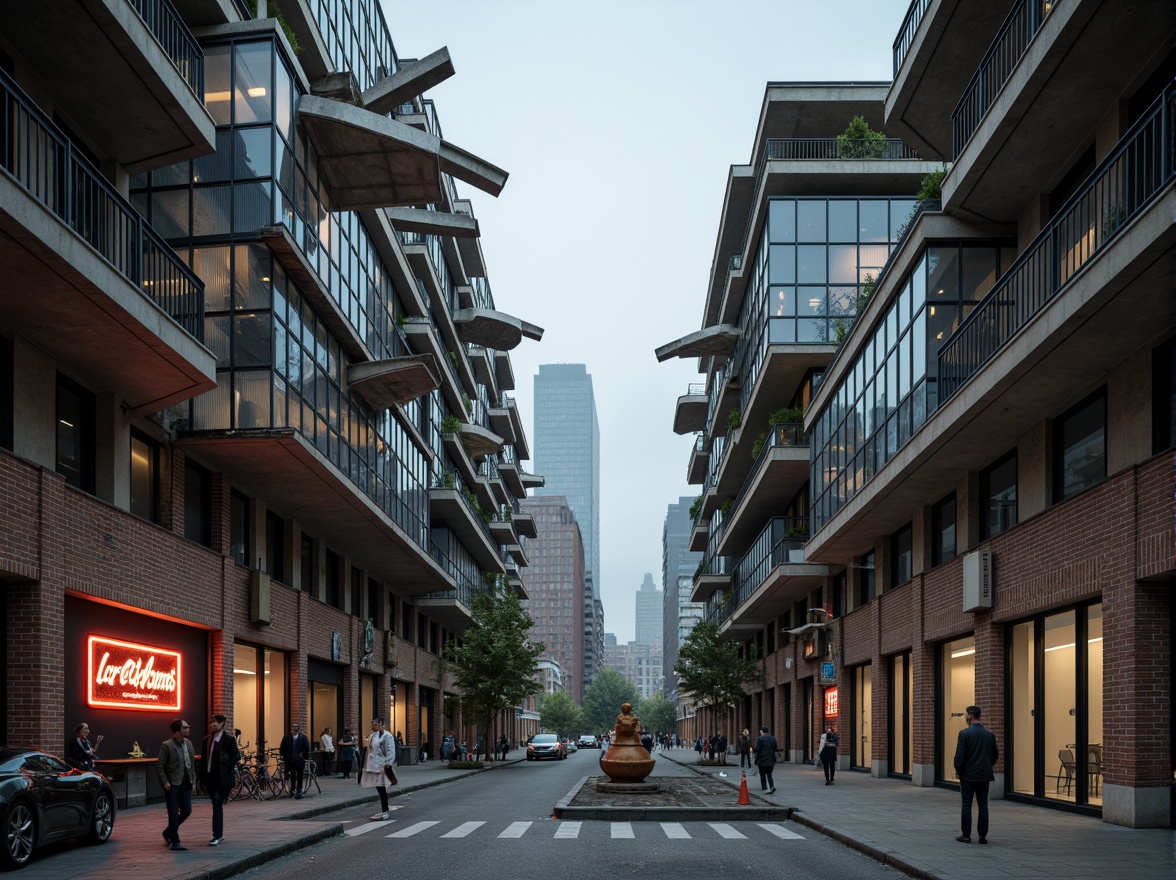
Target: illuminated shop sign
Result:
[[124, 675], [831, 703]]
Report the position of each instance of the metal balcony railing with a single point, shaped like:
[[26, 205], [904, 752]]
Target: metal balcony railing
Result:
[[177, 41], [781, 539], [1013, 38], [35, 154], [696, 389], [1136, 172], [906, 33], [805, 149]]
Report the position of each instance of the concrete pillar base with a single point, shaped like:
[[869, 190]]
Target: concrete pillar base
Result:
[[1136, 807]]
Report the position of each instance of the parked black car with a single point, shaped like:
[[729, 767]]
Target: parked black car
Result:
[[43, 799]]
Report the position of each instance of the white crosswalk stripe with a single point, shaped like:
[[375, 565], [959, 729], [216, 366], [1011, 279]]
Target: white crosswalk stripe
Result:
[[726, 831], [675, 831], [516, 829], [622, 830], [464, 830], [780, 831], [414, 829], [370, 826], [568, 830]]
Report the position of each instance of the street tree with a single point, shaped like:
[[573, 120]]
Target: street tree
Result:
[[603, 698], [658, 714], [559, 713], [495, 666], [711, 671]]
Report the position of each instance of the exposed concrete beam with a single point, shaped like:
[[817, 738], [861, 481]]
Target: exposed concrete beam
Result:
[[408, 82], [433, 222]]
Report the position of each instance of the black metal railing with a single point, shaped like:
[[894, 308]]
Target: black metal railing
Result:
[[1019, 28], [41, 159], [906, 33], [1138, 170], [781, 540], [804, 149], [177, 41]]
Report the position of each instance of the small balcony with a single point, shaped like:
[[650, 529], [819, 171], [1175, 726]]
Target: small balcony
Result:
[[126, 73], [714, 576], [779, 472], [524, 524], [690, 413], [493, 329], [461, 513], [699, 535], [699, 461], [88, 280]]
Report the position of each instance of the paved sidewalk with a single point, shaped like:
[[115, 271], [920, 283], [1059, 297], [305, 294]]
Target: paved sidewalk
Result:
[[255, 832], [914, 829]]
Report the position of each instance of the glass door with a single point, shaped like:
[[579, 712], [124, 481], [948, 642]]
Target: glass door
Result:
[[957, 688], [901, 733], [863, 693]]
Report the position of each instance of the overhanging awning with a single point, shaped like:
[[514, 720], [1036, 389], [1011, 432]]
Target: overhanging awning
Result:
[[492, 329], [371, 161], [717, 340]]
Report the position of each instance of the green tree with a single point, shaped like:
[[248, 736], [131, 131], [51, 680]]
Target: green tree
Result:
[[495, 666], [711, 671], [658, 714], [859, 141], [603, 698], [559, 713]]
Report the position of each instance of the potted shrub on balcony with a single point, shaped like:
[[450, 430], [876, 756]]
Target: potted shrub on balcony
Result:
[[797, 535], [859, 141]]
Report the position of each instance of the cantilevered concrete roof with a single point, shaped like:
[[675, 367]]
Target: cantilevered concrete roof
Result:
[[493, 329], [719, 339], [411, 80], [479, 441], [298, 482], [690, 413], [371, 161], [433, 222], [395, 381]]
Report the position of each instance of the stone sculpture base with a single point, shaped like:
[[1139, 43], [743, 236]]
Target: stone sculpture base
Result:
[[627, 787]]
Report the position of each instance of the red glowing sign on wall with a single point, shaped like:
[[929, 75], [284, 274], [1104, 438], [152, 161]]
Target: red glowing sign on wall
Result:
[[123, 675], [831, 702]]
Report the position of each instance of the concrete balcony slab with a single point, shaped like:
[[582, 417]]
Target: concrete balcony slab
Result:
[[395, 381]]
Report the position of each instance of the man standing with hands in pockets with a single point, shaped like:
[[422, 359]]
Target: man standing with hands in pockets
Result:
[[976, 753]]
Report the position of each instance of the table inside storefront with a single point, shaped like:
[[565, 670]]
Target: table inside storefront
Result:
[[134, 781]]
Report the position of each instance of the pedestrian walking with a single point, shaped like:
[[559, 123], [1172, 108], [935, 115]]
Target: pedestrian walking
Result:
[[176, 767], [975, 755], [295, 752], [218, 764], [827, 749], [744, 746], [721, 747], [327, 744], [378, 765], [80, 752], [764, 752], [503, 747], [346, 752]]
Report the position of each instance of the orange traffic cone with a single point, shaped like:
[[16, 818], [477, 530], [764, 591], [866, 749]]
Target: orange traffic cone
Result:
[[744, 797]]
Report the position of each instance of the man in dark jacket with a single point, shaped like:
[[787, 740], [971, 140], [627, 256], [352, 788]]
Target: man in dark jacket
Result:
[[218, 763], [975, 755], [764, 754], [295, 752], [721, 747], [744, 747]]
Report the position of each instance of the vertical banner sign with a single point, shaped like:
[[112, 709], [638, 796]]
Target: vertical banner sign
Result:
[[125, 675], [831, 702]]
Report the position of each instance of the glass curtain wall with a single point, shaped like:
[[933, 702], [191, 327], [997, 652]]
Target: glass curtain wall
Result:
[[891, 386], [1056, 719], [861, 753], [957, 691]]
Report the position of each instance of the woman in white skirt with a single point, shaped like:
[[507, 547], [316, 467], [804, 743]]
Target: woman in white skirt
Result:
[[381, 753]]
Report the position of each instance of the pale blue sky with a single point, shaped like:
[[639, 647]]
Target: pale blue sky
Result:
[[618, 122]]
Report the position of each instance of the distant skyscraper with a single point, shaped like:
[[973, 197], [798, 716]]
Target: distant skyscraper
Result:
[[678, 563], [649, 613], [637, 663], [567, 450], [555, 584]]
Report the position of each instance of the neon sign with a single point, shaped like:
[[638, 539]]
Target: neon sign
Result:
[[124, 675], [831, 702]]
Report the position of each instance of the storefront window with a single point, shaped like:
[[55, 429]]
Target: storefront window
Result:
[[1023, 692], [259, 699], [863, 691], [398, 716], [367, 703], [958, 690]]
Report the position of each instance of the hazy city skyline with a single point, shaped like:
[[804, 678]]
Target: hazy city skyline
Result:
[[617, 123]]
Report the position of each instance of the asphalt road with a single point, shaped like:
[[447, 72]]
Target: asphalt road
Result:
[[500, 825]]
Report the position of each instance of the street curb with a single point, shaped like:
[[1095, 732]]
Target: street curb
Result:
[[360, 800], [235, 868]]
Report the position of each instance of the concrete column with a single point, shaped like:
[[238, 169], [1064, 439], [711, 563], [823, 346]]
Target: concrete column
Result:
[[922, 710], [1129, 412], [1034, 475], [112, 451]]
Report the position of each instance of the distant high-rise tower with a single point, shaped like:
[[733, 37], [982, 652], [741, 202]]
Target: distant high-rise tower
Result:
[[567, 450], [649, 613], [678, 565], [555, 584]]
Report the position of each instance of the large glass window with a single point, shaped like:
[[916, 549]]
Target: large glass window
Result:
[[957, 689], [998, 496], [240, 545], [76, 429], [1056, 723], [1164, 395], [943, 530], [275, 547], [901, 555], [862, 735], [197, 504], [145, 477], [867, 579], [1080, 447], [259, 695]]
